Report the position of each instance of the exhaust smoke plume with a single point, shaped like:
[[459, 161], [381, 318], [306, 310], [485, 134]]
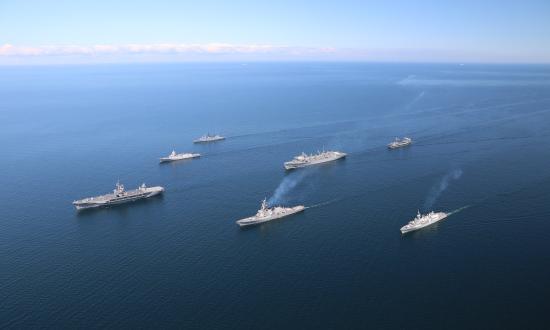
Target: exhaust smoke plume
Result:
[[440, 187], [286, 186]]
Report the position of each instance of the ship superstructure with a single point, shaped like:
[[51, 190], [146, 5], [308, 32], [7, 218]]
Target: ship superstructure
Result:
[[119, 196], [266, 213], [422, 221], [304, 160]]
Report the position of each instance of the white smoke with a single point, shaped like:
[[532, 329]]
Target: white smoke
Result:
[[440, 187], [415, 100], [288, 183]]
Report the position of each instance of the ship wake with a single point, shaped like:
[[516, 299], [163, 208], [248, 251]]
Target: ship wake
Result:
[[332, 201], [458, 210]]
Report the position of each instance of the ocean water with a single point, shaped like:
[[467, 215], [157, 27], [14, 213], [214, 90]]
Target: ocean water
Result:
[[481, 148]]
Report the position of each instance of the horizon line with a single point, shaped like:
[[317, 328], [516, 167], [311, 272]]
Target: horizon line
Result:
[[302, 61]]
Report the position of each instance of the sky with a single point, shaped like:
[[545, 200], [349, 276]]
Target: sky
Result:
[[57, 32]]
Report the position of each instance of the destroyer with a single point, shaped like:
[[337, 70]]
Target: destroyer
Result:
[[266, 213], [209, 138], [304, 160], [422, 221], [118, 196], [174, 156], [400, 143]]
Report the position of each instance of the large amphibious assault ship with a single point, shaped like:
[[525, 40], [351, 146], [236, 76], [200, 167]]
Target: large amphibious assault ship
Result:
[[422, 221], [174, 156], [266, 213], [118, 196], [209, 138], [400, 143], [304, 160]]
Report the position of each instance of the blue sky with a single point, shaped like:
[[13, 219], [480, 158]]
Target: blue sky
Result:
[[33, 31]]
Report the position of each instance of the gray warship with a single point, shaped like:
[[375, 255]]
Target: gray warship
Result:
[[304, 160], [209, 138], [119, 196], [400, 143], [266, 213]]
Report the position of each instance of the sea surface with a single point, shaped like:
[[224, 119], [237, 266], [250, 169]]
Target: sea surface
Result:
[[481, 150]]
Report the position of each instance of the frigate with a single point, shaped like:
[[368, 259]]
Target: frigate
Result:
[[119, 196], [266, 213], [304, 160], [422, 221], [209, 138]]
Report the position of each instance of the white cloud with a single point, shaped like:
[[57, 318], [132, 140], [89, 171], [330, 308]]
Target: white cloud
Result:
[[167, 52], [212, 48]]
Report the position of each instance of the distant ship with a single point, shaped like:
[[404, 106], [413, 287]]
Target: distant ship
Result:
[[304, 160], [266, 213], [119, 196], [209, 138], [422, 221], [174, 156], [400, 143]]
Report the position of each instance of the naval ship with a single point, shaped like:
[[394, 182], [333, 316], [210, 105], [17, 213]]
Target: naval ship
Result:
[[400, 143], [422, 221], [174, 156], [266, 213], [119, 196], [209, 138], [304, 160]]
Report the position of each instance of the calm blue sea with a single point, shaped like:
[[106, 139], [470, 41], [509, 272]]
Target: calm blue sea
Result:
[[481, 147]]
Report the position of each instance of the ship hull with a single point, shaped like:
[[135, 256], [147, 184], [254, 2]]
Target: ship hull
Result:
[[289, 166], [208, 141], [399, 145], [251, 221], [169, 160]]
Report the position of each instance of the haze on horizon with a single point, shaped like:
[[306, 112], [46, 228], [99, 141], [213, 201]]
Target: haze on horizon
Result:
[[69, 32]]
